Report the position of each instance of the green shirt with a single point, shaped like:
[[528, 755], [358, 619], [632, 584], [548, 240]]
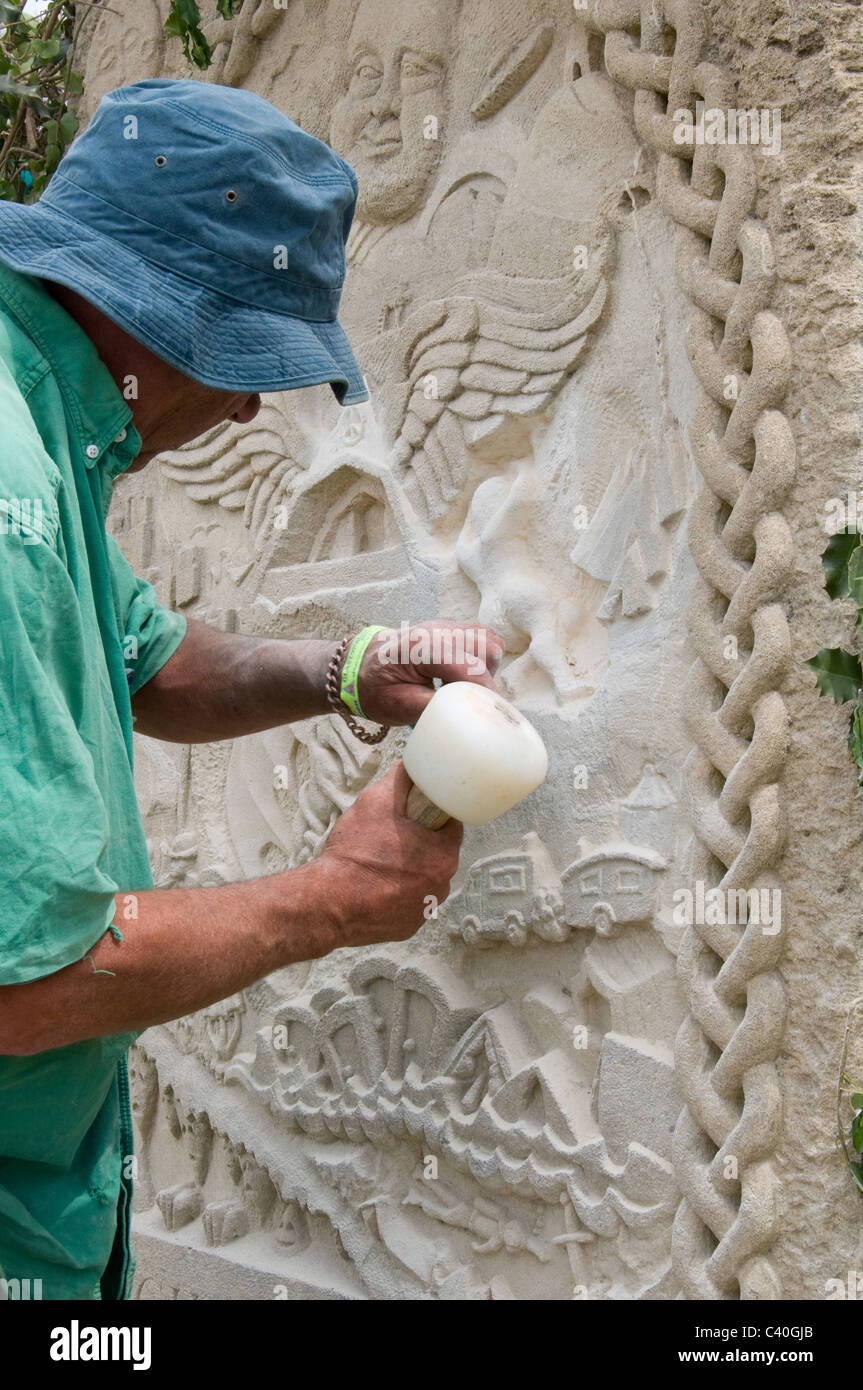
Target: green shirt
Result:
[[79, 634]]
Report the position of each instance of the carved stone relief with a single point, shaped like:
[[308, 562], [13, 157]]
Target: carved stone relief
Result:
[[534, 1096]]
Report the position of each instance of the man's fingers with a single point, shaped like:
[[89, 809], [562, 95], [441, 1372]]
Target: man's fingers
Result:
[[453, 651], [450, 834], [396, 680], [496, 649], [402, 784], [486, 680], [467, 652]]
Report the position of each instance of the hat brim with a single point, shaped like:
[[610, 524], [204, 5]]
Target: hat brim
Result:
[[208, 336]]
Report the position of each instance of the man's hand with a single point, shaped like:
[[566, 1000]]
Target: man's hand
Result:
[[398, 670], [189, 947], [225, 684], [382, 874]]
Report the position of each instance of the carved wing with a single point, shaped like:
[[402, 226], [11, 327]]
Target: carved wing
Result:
[[242, 468], [459, 371], [494, 352]]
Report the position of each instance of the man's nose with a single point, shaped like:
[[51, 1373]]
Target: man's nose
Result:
[[246, 410], [387, 100]]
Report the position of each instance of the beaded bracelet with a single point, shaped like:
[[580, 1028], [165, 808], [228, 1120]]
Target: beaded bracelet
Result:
[[342, 695]]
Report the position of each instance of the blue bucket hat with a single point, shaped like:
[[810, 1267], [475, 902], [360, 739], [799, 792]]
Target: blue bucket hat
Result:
[[209, 227]]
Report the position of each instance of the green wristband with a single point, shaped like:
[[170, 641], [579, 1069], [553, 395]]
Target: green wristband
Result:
[[349, 691]]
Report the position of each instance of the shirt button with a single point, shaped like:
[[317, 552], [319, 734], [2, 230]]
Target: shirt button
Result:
[[92, 451], [118, 438]]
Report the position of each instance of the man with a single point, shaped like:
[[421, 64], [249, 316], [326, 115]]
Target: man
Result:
[[188, 254]]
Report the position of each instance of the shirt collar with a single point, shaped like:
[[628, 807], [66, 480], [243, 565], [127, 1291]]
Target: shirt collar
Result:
[[99, 414]]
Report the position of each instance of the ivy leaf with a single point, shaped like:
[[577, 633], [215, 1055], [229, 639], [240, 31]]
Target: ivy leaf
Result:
[[835, 559], [201, 53], [39, 106], [9, 14], [856, 1173], [184, 18], [46, 49], [74, 84], [855, 743], [68, 126], [857, 1132], [184, 22], [226, 8], [856, 1101], [855, 581], [838, 673]]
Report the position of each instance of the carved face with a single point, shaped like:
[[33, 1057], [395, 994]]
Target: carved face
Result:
[[170, 1110], [389, 125], [143, 1087], [292, 1230], [197, 1141], [242, 1168], [253, 1181]]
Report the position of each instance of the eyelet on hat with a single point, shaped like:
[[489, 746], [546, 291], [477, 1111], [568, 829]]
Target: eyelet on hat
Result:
[[231, 195], [161, 159]]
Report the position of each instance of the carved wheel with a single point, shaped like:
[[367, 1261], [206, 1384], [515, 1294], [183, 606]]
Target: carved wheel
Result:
[[514, 929], [604, 921], [471, 927]]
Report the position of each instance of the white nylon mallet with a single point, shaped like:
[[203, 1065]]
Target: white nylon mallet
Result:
[[471, 756]]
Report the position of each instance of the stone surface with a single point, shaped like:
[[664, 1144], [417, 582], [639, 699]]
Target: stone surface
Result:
[[614, 381]]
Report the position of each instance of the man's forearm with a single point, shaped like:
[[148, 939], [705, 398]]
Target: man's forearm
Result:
[[221, 685], [187, 948]]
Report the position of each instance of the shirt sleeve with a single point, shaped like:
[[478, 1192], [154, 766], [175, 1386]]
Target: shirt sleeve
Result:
[[55, 899], [152, 633]]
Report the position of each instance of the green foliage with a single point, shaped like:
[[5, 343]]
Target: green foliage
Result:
[[36, 81], [834, 562], [184, 23], [854, 571], [855, 742], [839, 672], [37, 78], [851, 1102]]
